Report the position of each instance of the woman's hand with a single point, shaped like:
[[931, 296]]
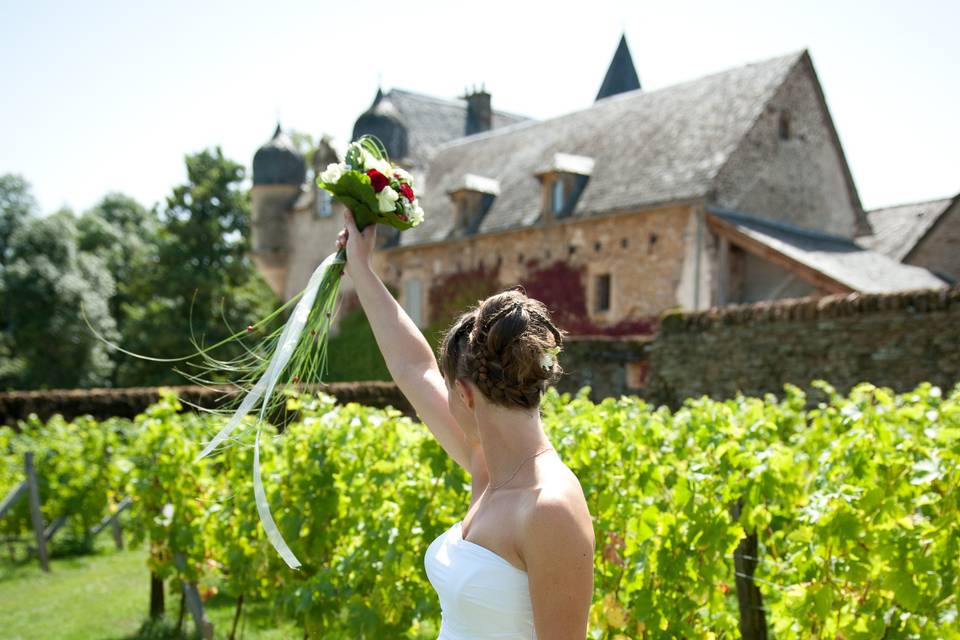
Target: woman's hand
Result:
[[359, 244]]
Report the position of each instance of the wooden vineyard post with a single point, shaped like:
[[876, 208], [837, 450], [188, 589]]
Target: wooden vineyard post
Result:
[[194, 602], [753, 619], [117, 533], [113, 520], [156, 596], [35, 516]]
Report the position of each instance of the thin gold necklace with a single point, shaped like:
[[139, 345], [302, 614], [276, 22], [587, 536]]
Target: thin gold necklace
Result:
[[518, 468]]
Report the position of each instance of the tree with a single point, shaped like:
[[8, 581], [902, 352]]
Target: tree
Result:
[[203, 283], [17, 205], [44, 284], [124, 235]]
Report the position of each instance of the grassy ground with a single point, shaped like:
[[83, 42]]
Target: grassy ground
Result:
[[104, 596]]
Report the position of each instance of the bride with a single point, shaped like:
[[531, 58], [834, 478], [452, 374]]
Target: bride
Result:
[[520, 562]]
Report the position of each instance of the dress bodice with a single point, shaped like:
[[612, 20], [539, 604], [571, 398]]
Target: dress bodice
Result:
[[481, 594]]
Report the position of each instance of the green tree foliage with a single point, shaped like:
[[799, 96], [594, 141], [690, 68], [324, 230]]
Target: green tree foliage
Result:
[[124, 234], [44, 285], [17, 204], [201, 285], [152, 281], [353, 352]]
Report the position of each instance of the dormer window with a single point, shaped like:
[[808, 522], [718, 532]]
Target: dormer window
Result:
[[559, 197], [324, 203], [563, 179], [472, 197]]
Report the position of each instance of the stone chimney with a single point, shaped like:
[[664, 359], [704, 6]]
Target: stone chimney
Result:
[[479, 113]]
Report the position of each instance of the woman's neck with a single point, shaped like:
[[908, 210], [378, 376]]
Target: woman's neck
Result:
[[508, 438]]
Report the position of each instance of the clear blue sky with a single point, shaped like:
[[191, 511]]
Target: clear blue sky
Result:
[[103, 96]]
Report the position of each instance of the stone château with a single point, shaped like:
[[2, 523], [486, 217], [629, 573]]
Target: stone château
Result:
[[730, 188]]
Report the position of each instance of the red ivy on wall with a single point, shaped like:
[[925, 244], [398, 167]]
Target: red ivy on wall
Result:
[[451, 294], [560, 286]]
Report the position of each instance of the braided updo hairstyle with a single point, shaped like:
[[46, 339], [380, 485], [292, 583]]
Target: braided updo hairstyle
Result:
[[502, 346]]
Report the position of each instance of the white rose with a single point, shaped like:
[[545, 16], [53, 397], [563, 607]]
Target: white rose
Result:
[[549, 358], [370, 162], [368, 159], [416, 214], [332, 173], [387, 199], [383, 167], [403, 175]]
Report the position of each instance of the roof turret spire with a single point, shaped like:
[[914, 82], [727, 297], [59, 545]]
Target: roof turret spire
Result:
[[621, 75]]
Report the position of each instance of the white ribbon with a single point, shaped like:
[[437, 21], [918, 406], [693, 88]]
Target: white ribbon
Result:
[[262, 390], [263, 508]]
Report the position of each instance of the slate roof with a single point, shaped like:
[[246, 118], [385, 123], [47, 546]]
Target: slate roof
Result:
[[277, 161], [433, 121], [897, 230], [649, 147], [838, 258]]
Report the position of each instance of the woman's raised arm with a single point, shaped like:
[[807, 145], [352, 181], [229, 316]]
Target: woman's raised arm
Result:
[[409, 358]]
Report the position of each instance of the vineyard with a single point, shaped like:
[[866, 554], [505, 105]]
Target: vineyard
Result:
[[750, 516]]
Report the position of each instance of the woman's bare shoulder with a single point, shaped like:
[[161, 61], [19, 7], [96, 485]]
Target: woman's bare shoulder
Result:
[[558, 499], [558, 548]]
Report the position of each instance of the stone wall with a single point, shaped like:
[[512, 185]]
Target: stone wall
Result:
[[312, 238], [896, 340], [610, 366]]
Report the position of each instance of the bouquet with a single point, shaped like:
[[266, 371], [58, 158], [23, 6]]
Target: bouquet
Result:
[[373, 189], [376, 192]]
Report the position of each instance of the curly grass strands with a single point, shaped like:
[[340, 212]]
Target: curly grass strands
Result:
[[201, 352], [296, 352]]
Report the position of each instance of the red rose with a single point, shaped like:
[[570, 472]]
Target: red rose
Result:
[[378, 180], [406, 191]]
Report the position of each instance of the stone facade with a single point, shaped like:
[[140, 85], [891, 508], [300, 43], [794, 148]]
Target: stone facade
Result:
[[790, 166], [312, 236], [644, 252], [938, 249]]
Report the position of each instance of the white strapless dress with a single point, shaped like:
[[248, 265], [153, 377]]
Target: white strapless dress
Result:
[[481, 595]]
